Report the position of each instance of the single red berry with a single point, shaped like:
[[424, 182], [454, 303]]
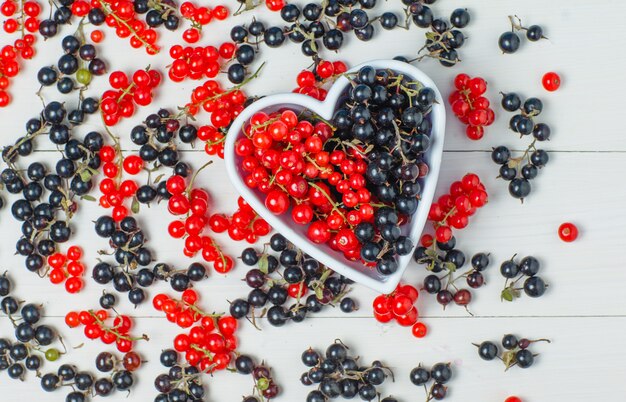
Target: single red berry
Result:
[[568, 232], [74, 253], [512, 399], [443, 234], [71, 319], [551, 81], [419, 330], [401, 304], [409, 318], [277, 202], [74, 284]]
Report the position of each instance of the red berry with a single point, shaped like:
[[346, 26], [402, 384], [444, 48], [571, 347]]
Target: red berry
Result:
[[318, 232], [461, 81], [512, 399], [474, 132], [74, 284], [71, 319], [409, 291], [401, 304], [277, 202], [133, 164], [383, 318], [419, 330], [443, 234], [381, 304], [551, 81], [409, 318], [568, 232], [477, 86]]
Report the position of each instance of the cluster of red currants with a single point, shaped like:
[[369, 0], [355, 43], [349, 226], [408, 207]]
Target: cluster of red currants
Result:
[[224, 105], [95, 327], [244, 224], [26, 20], [454, 209], [400, 305], [121, 16], [194, 204], [67, 266], [119, 102], [199, 17], [282, 153], [198, 62], [114, 190], [471, 106], [311, 82], [9, 66], [211, 338]]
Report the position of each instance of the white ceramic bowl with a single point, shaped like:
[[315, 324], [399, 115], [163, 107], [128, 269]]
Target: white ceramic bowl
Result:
[[297, 233]]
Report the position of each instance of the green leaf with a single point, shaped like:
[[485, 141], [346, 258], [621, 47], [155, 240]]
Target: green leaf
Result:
[[263, 264], [135, 205], [449, 266], [508, 358], [85, 175], [158, 178], [88, 197], [506, 294], [431, 253]]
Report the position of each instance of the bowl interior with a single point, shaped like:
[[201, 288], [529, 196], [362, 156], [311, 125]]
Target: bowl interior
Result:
[[297, 233]]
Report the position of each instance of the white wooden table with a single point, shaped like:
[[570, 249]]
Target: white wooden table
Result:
[[583, 311]]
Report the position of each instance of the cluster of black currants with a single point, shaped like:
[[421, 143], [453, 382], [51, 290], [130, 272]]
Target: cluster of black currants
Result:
[[389, 115], [84, 384], [337, 374], [158, 12], [523, 122], [182, 383], [59, 15], [156, 139], [300, 273], [509, 41], [265, 388], [31, 337], [515, 353], [444, 38], [440, 374], [70, 66], [444, 257], [526, 270], [308, 27], [43, 226], [131, 273], [520, 171]]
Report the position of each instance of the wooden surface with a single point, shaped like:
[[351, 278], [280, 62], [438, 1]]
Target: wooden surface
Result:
[[582, 312]]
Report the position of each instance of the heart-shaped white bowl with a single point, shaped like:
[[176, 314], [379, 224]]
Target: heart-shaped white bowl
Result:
[[297, 233]]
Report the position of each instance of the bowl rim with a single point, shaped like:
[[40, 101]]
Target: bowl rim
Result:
[[325, 109]]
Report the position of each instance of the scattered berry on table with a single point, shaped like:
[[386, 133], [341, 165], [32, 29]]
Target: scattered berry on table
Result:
[[551, 81], [525, 270], [439, 375], [294, 284], [338, 373], [469, 104], [515, 352], [519, 171], [509, 42], [568, 232]]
